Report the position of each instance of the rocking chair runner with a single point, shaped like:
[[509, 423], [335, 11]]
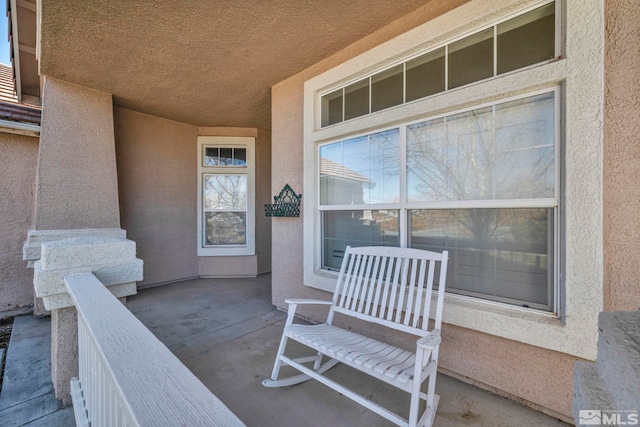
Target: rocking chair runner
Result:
[[387, 286]]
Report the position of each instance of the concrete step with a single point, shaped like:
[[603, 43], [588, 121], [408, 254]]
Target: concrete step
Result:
[[618, 362], [589, 391]]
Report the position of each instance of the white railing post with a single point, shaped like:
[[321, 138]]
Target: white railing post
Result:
[[127, 377], [112, 260]]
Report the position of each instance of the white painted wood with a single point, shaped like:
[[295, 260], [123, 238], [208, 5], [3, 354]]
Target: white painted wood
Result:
[[391, 287], [79, 411], [127, 377]]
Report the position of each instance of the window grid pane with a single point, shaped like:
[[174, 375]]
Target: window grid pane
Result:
[[225, 228], [356, 99], [225, 192], [361, 170], [494, 153], [224, 206], [471, 59], [356, 228], [500, 254], [522, 41], [526, 39], [387, 88], [506, 151], [225, 156]]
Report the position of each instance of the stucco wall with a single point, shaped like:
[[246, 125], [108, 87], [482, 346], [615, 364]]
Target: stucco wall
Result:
[[157, 176], [157, 179], [263, 197], [18, 165], [76, 185], [622, 156], [540, 377]]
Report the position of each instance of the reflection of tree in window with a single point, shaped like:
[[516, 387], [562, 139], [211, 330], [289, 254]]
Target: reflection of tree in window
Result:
[[225, 204], [226, 228], [501, 152]]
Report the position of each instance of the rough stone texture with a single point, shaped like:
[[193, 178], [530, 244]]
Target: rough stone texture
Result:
[[77, 183], [32, 249], [589, 392], [18, 164], [219, 71], [622, 155], [84, 252], [618, 360], [113, 261], [64, 351], [613, 382]]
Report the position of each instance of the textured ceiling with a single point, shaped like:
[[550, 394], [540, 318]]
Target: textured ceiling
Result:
[[206, 63]]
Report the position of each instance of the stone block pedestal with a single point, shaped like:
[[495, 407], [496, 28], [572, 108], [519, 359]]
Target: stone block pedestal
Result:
[[112, 260]]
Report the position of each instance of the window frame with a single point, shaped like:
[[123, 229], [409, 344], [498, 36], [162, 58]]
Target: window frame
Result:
[[573, 328], [404, 207], [248, 143], [404, 60]]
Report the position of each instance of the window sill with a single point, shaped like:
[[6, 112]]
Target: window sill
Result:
[[227, 251], [525, 325]]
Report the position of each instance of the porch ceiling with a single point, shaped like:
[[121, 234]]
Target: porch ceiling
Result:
[[206, 63]]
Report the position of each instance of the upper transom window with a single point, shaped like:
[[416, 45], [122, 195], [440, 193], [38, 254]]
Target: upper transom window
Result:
[[505, 46]]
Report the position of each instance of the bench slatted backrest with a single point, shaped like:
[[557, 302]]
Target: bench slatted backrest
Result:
[[391, 286]]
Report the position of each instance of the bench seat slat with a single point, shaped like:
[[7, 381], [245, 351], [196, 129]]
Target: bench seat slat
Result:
[[383, 356], [381, 360]]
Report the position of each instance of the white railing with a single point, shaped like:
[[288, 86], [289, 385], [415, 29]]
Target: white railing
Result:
[[127, 377]]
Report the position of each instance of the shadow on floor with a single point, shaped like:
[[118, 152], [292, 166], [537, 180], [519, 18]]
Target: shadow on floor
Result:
[[226, 332]]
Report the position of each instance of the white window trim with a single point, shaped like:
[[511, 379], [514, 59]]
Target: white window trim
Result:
[[574, 329], [249, 248]]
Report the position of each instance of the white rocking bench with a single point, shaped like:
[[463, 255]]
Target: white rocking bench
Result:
[[390, 287]]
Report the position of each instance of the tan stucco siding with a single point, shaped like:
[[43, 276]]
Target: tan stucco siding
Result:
[[263, 196], [622, 156], [17, 187], [541, 378], [157, 180], [77, 186]]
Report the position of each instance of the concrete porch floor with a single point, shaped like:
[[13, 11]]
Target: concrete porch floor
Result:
[[226, 332]]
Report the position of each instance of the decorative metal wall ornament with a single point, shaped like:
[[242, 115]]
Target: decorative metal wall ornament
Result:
[[287, 203]]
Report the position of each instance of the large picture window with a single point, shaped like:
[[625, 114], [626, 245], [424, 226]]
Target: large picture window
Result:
[[481, 183], [226, 196]]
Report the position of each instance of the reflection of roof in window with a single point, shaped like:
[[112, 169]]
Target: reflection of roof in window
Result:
[[335, 169]]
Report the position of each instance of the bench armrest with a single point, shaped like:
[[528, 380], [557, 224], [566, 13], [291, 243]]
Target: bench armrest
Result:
[[430, 341], [293, 305], [307, 301]]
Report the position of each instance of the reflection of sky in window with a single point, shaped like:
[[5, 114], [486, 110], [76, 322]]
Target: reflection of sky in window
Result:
[[375, 158], [501, 152]]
